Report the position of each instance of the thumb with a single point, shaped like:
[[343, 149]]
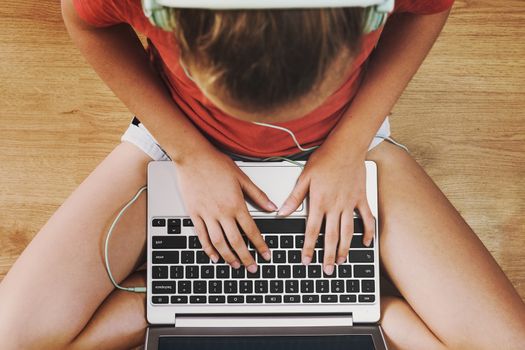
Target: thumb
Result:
[[296, 197], [256, 194]]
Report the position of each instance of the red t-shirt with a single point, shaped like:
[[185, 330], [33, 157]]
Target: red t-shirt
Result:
[[226, 131]]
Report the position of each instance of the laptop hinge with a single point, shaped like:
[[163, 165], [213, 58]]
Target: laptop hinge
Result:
[[267, 320]]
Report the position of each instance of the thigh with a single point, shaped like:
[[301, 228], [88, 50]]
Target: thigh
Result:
[[438, 263], [59, 280]]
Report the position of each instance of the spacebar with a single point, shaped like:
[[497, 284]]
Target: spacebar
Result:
[[281, 225]]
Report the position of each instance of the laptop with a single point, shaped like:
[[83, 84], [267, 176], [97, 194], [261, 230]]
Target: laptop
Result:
[[193, 303]]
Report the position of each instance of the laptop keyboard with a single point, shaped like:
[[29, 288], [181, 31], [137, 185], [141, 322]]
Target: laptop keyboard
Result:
[[182, 273]]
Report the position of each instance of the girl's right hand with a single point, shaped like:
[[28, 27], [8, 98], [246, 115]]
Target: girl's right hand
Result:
[[212, 188]]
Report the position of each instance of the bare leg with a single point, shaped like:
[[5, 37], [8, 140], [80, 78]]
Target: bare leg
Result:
[[439, 265], [59, 281]]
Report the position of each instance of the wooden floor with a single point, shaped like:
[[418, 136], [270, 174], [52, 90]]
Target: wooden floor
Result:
[[461, 117]]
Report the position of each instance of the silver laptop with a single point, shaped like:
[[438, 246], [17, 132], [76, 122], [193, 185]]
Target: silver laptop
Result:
[[193, 303]]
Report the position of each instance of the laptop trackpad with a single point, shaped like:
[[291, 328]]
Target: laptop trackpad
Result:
[[276, 181]]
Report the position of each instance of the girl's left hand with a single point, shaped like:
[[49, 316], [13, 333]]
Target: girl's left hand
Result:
[[337, 186]]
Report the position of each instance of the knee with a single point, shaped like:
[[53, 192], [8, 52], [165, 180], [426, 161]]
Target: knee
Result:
[[22, 327]]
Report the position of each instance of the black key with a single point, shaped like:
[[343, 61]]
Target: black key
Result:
[[245, 287], [169, 242], [286, 241], [238, 273], [230, 287], [357, 242], [272, 299], [299, 241], [215, 287], [299, 271], [174, 222], [345, 271], [177, 272], [158, 222], [338, 286], [198, 299], [159, 272], [310, 298], [268, 271], [174, 229], [199, 287], [361, 256], [235, 299], [256, 274], [281, 225], [352, 286], [187, 257], [319, 243], [320, 256], [276, 286], [184, 287], [368, 286], [314, 257], [163, 287], [358, 225], [272, 241], [254, 299], [261, 260], [294, 256], [202, 258], [279, 256], [292, 298], [207, 271], [179, 299], [364, 271], [187, 222], [217, 299], [367, 298], [261, 287], [165, 257], [223, 272], [291, 286], [252, 253], [314, 271], [192, 271], [329, 298], [283, 271], [307, 286], [333, 275], [347, 298], [159, 299], [194, 242], [322, 286]]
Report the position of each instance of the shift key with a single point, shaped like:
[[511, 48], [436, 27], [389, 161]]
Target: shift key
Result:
[[169, 242]]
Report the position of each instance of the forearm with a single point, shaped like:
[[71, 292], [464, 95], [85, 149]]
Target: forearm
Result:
[[404, 44], [120, 60]]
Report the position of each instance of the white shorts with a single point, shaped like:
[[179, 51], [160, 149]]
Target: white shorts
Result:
[[138, 135]]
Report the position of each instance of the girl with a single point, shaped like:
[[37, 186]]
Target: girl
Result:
[[213, 74]]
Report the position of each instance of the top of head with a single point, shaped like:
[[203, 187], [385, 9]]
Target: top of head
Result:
[[381, 5]]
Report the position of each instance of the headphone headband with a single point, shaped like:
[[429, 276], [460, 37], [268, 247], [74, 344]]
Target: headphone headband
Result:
[[376, 13], [381, 5]]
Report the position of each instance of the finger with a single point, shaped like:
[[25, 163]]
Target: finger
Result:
[[256, 194], [295, 198], [219, 242], [313, 225], [331, 237], [204, 238], [368, 222], [254, 235], [231, 230], [347, 231]]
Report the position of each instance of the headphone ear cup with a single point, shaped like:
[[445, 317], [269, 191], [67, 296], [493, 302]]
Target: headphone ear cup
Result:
[[373, 19], [157, 14]]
